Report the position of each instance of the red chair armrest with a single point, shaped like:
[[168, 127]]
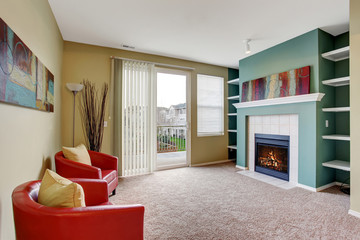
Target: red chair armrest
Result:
[[95, 190], [71, 169], [103, 161], [124, 222]]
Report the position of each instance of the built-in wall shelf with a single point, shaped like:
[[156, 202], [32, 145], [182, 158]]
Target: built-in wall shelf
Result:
[[337, 82], [232, 147], [232, 130], [337, 109], [340, 140], [237, 97], [338, 164], [338, 54], [233, 96], [337, 137], [234, 81]]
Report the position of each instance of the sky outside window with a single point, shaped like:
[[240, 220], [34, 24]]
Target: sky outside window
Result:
[[171, 89]]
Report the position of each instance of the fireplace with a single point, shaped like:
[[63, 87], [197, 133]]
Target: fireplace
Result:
[[272, 155]]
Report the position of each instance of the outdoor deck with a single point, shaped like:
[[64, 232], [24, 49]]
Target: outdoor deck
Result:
[[169, 159]]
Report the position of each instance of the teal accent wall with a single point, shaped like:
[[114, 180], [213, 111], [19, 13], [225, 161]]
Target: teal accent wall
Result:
[[233, 90], [233, 74], [298, 52], [341, 40]]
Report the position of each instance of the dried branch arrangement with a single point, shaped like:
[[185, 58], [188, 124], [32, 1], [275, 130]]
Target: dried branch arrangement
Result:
[[92, 110]]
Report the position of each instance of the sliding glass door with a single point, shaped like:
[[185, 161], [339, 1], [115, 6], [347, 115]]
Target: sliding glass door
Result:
[[172, 118], [155, 118]]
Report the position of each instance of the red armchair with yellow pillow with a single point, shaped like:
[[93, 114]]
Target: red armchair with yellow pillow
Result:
[[99, 219], [78, 162]]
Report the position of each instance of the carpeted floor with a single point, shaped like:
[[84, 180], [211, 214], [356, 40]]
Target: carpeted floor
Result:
[[215, 202]]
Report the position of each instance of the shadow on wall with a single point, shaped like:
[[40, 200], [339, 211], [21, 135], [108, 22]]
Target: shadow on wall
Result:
[[46, 164]]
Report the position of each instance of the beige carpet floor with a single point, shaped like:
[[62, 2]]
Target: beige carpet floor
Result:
[[215, 202]]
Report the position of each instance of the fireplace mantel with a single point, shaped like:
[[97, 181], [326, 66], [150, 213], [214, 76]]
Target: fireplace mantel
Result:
[[312, 97]]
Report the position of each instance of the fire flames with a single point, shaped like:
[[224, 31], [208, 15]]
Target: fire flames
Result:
[[270, 158]]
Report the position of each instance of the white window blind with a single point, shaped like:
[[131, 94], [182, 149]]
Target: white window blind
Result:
[[210, 105], [138, 118]]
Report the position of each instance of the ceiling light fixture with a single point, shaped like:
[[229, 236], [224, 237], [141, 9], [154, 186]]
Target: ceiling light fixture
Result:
[[247, 46]]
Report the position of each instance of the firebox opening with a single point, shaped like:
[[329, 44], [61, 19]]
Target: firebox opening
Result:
[[272, 155]]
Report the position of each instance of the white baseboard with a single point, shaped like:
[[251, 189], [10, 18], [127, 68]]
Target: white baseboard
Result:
[[319, 188], [354, 213], [141, 174], [242, 168], [325, 186], [306, 187], [210, 163], [171, 167]]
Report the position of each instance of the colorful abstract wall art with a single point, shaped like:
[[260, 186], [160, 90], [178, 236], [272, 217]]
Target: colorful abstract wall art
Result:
[[290, 83], [24, 80]]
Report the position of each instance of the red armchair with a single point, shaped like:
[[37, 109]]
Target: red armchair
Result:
[[104, 166], [98, 220]]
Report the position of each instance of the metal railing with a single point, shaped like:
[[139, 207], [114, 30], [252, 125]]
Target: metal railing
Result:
[[171, 138]]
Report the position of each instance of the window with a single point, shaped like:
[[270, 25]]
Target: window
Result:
[[210, 105]]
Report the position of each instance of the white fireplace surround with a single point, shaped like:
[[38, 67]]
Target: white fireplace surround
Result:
[[275, 124]]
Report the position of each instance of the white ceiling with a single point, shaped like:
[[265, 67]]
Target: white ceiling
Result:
[[209, 31]]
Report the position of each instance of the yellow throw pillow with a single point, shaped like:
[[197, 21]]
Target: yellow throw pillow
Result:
[[56, 191], [78, 154]]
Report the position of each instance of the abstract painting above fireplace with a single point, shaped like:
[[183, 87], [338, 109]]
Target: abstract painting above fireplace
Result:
[[290, 83]]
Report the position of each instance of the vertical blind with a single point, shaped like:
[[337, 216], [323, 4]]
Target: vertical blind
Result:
[[210, 105], [138, 118]]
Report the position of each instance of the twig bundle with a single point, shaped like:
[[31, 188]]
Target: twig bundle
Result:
[[92, 111]]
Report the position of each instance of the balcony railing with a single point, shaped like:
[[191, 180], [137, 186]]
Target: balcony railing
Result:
[[171, 138]]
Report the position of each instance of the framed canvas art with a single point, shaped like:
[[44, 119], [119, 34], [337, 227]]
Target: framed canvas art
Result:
[[24, 80], [290, 83]]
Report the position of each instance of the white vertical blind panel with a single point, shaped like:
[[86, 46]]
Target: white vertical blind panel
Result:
[[131, 118], [138, 122], [123, 98], [146, 120], [210, 105], [137, 118], [141, 117], [153, 122]]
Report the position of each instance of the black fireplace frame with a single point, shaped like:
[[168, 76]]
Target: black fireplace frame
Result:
[[275, 141]]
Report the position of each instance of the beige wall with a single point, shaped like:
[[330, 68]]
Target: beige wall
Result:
[[28, 137], [83, 61], [355, 104]]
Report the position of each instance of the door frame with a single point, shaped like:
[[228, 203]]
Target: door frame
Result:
[[187, 74]]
